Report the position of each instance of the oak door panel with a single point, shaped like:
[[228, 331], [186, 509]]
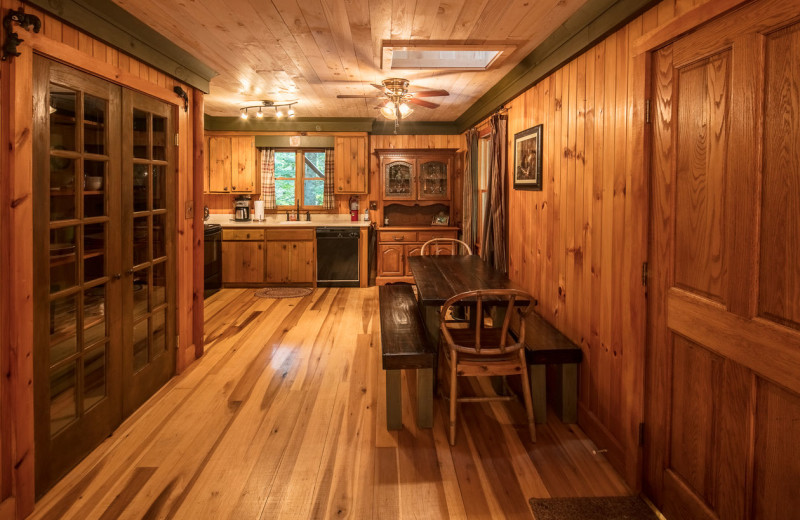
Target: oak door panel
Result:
[[219, 164], [390, 260], [722, 395]]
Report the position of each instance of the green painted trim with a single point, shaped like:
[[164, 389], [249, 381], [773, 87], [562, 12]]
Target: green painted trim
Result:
[[590, 24], [107, 21], [306, 141], [299, 124], [329, 124]]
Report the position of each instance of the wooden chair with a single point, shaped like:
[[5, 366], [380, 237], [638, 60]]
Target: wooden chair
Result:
[[434, 241], [482, 351]]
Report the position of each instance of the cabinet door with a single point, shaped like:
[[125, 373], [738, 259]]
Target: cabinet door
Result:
[[219, 164], [301, 264], [411, 250], [278, 260], [242, 262], [350, 164], [243, 152], [433, 179], [390, 260], [397, 179]]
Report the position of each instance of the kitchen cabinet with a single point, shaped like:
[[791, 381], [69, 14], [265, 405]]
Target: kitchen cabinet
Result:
[[396, 245], [230, 167], [415, 189], [291, 256], [242, 257], [350, 161]]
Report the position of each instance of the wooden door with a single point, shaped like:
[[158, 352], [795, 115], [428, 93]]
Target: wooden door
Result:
[[350, 164], [243, 156], [243, 262], [409, 251], [278, 257], [219, 164], [390, 260], [77, 354], [301, 264], [722, 386], [148, 259]]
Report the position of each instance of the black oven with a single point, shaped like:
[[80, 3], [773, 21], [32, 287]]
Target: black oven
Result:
[[213, 259]]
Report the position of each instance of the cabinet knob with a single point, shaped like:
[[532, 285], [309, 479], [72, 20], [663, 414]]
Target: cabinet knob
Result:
[[233, 187]]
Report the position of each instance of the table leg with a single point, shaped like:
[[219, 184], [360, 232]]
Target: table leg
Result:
[[538, 376], [425, 397], [394, 403]]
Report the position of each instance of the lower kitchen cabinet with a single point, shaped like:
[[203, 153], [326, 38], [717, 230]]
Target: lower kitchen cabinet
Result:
[[242, 262], [290, 256], [397, 244]]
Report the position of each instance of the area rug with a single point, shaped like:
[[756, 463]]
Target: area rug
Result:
[[591, 508], [284, 292]]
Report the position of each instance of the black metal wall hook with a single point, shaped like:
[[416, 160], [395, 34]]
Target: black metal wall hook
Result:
[[26, 21], [183, 95]]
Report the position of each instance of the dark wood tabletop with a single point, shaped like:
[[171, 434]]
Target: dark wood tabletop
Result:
[[438, 278]]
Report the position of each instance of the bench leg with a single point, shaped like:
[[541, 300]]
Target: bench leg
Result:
[[538, 376], [569, 393], [425, 397], [394, 404]]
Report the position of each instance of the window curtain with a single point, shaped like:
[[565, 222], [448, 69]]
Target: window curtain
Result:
[[469, 199], [268, 177], [493, 244], [327, 194]]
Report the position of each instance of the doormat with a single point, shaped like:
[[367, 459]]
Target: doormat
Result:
[[284, 292], [591, 508]]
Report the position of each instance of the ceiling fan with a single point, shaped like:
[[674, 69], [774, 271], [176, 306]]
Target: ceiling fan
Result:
[[395, 106]]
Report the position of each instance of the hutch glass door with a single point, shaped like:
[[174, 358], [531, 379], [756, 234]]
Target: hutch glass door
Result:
[[398, 180], [433, 180]]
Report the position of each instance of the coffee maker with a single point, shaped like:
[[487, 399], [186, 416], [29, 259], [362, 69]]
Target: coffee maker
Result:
[[241, 208]]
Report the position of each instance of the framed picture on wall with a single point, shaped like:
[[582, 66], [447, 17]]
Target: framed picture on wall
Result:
[[528, 159]]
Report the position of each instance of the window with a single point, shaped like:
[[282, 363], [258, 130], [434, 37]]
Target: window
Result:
[[299, 176], [484, 167]]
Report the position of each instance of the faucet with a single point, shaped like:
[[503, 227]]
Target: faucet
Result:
[[308, 216], [298, 210]]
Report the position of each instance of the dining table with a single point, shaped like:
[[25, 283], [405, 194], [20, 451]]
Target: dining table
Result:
[[438, 278]]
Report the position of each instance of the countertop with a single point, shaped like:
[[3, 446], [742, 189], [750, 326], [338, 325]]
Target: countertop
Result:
[[317, 220]]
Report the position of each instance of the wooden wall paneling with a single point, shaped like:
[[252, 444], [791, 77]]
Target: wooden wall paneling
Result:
[[575, 288], [199, 169], [554, 195], [16, 276], [586, 295], [569, 203]]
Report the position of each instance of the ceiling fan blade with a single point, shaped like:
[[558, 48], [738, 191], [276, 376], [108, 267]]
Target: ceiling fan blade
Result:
[[379, 87], [426, 104], [431, 93], [356, 96]]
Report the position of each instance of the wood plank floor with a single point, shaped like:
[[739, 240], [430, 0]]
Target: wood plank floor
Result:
[[285, 417]]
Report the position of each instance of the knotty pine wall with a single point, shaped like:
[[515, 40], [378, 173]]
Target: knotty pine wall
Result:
[[76, 48], [571, 244]]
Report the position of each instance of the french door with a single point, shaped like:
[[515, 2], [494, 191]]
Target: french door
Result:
[[723, 359], [103, 295]]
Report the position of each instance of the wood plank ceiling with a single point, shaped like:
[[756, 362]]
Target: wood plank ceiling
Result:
[[313, 50]]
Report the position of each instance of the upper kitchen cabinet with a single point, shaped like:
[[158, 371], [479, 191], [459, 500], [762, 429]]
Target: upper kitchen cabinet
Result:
[[416, 175], [350, 164], [231, 164]]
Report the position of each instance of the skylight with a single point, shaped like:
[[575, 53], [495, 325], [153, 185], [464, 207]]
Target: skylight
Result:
[[420, 54]]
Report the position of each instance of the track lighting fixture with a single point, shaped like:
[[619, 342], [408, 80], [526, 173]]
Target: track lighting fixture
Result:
[[269, 104]]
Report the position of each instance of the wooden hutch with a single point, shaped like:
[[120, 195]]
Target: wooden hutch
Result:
[[415, 193]]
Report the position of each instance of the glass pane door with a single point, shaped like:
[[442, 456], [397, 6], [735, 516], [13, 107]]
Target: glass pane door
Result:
[[398, 182], [148, 257], [76, 167], [433, 180]]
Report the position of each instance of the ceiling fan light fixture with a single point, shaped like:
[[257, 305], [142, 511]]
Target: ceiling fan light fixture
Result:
[[387, 111]]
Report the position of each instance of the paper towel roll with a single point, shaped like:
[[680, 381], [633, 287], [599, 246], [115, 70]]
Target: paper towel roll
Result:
[[258, 207]]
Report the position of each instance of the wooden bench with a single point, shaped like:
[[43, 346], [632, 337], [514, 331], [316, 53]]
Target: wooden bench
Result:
[[405, 346], [546, 345]]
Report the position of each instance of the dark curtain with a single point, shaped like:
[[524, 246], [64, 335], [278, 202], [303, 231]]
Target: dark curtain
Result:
[[493, 244], [470, 195]]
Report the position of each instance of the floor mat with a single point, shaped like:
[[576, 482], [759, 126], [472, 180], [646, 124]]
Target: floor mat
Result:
[[591, 508], [284, 292]]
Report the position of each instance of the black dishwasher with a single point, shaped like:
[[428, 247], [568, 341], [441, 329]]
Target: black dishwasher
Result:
[[337, 257], [212, 268]]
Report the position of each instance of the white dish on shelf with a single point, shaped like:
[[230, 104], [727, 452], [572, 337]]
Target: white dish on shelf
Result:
[[93, 183]]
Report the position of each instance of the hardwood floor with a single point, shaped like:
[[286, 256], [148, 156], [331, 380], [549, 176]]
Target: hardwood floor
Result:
[[285, 417]]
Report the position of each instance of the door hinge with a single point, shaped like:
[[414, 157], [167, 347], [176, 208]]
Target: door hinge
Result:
[[644, 274], [646, 110], [641, 434], [176, 140]]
